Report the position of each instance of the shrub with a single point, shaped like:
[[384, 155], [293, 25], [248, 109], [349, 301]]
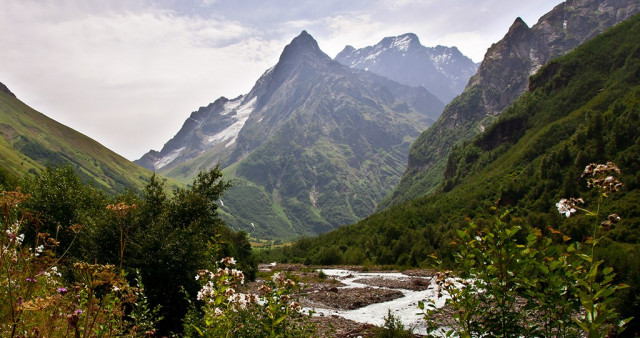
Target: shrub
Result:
[[227, 312], [507, 288]]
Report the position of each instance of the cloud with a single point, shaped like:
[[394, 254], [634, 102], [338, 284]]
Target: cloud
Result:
[[127, 78]]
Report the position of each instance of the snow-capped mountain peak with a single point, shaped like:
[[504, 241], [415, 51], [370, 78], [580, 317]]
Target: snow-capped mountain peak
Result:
[[443, 71]]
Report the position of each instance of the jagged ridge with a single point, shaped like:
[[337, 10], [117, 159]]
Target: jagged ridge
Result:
[[443, 71]]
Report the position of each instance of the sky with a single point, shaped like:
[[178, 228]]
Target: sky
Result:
[[128, 73]]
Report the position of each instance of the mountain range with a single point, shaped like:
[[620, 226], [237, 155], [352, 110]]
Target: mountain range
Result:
[[443, 71], [501, 78], [314, 144]]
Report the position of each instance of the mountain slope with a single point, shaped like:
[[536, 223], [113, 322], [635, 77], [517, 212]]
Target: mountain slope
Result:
[[443, 71], [501, 78], [581, 108], [31, 141], [314, 145]]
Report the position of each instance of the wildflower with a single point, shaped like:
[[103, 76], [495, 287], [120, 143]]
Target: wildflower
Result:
[[39, 250], [603, 177], [73, 318], [218, 312], [289, 283], [54, 271], [610, 221], [240, 300], [295, 306], [568, 206], [264, 289], [279, 278], [62, 290], [238, 275], [229, 293], [228, 261]]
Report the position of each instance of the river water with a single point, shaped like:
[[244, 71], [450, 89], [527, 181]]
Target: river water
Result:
[[405, 308]]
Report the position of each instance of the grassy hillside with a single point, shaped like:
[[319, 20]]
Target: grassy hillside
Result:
[[580, 109], [30, 141]]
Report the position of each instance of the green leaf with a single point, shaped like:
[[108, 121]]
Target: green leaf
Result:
[[279, 320], [604, 293], [585, 257]]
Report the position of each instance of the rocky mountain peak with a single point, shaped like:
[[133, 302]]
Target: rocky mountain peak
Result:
[[302, 46], [443, 71], [5, 89], [402, 42], [348, 49], [518, 30], [518, 23]]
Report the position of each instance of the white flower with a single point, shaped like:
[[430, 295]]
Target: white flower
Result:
[[228, 261], [278, 277], [564, 207]]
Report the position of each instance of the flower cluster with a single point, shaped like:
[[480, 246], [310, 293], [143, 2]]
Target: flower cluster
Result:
[[220, 288], [121, 209], [281, 280], [610, 221], [603, 177], [568, 206], [273, 311]]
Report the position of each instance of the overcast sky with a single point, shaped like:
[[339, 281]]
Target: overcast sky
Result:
[[129, 72]]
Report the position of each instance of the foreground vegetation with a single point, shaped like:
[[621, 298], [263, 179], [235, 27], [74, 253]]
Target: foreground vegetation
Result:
[[146, 253]]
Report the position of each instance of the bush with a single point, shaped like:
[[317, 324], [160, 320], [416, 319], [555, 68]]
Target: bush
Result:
[[393, 328], [509, 288]]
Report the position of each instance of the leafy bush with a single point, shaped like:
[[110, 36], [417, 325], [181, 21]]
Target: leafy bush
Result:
[[37, 300], [510, 288], [227, 312], [392, 328]]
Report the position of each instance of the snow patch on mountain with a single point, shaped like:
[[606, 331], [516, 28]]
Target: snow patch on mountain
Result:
[[163, 161], [230, 106], [402, 44], [231, 133]]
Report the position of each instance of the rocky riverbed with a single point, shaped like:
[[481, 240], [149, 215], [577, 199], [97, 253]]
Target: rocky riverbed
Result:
[[349, 302]]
